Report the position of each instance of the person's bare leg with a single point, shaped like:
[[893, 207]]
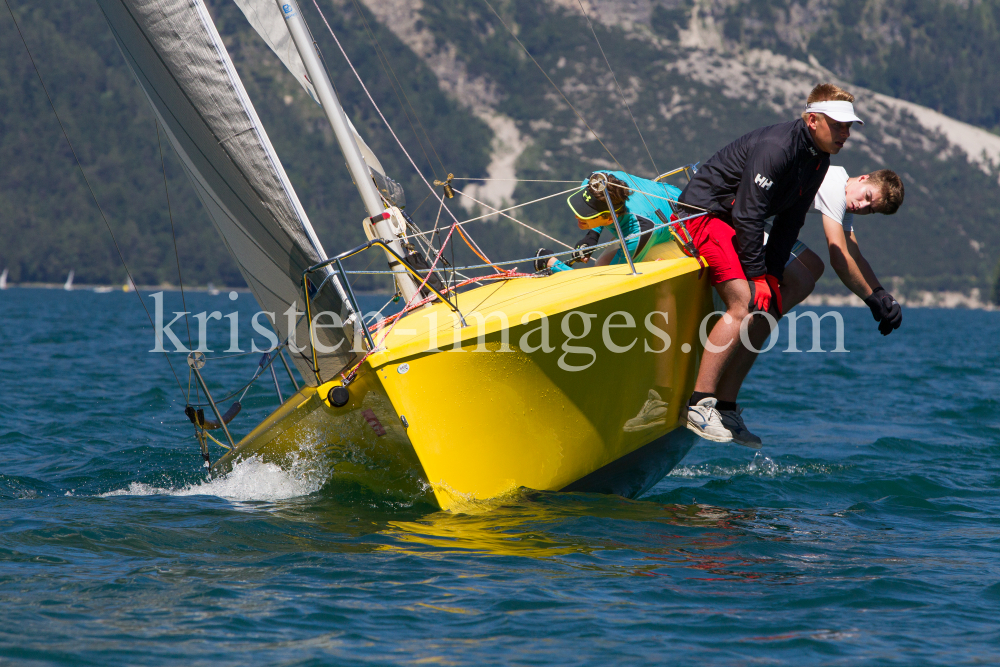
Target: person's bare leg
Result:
[[724, 339], [799, 281]]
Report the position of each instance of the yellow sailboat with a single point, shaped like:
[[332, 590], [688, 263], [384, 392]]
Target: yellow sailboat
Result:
[[574, 381]]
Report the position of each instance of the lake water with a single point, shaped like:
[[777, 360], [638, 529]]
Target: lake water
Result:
[[866, 532]]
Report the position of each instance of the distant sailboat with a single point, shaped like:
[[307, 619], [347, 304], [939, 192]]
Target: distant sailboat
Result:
[[3, 279], [69, 281], [212, 289]]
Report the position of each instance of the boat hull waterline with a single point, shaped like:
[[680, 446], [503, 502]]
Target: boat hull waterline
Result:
[[461, 415]]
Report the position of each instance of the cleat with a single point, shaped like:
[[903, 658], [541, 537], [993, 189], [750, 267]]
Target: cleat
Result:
[[733, 420], [705, 420], [652, 414]]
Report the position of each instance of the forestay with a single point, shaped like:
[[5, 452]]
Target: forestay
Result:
[[178, 58]]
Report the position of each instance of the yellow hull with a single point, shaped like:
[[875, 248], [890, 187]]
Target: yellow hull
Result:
[[476, 412]]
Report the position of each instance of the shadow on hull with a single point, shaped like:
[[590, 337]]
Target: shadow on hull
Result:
[[637, 472]]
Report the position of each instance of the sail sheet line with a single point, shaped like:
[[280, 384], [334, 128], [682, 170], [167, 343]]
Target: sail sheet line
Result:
[[620, 92], [387, 68], [173, 235], [549, 79]]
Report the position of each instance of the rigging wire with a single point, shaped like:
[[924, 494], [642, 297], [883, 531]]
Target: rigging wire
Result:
[[517, 180], [177, 256], [92, 193], [558, 89], [173, 232], [620, 92], [504, 210], [350, 64], [523, 224]]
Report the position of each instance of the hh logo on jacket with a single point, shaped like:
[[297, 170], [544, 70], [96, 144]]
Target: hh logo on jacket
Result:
[[764, 183]]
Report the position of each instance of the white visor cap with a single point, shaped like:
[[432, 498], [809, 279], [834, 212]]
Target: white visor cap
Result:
[[842, 112]]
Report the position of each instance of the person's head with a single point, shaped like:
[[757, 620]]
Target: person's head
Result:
[[829, 114], [591, 208], [878, 192]]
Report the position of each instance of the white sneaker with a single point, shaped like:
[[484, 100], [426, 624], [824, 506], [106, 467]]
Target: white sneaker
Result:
[[652, 414], [733, 420], [705, 420]]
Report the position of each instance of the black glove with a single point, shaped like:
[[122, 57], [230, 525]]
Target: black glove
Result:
[[541, 265], [585, 247], [885, 310]]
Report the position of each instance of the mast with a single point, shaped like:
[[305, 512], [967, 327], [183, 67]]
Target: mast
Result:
[[356, 165]]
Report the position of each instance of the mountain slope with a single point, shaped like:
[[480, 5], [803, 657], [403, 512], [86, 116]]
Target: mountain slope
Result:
[[691, 91], [466, 98]]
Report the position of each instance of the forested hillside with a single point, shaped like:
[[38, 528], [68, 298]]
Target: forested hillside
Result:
[[466, 98], [49, 223], [941, 54]]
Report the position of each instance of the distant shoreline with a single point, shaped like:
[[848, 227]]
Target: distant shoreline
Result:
[[84, 287], [919, 299]]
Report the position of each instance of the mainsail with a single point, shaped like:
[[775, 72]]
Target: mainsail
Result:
[[178, 58]]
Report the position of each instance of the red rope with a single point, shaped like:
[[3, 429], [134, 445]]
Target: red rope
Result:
[[504, 275]]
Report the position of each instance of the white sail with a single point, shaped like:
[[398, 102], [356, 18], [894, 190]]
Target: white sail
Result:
[[3, 279], [69, 281], [178, 58], [267, 20]]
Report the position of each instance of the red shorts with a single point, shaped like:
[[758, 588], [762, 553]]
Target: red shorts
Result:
[[716, 242]]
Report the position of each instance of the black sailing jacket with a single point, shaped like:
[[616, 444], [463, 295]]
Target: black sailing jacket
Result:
[[775, 171]]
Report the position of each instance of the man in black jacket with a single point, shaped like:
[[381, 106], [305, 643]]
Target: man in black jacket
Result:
[[774, 171]]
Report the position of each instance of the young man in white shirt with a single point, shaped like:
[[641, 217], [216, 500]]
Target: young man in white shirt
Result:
[[839, 199]]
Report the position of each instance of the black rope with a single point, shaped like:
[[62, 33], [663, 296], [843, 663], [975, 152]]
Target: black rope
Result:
[[558, 89], [89, 187]]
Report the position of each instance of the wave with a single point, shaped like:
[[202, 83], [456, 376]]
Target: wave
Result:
[[760, 466], [250, 480]]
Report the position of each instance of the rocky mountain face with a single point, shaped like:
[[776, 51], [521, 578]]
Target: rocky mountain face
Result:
[[516, 94], [681, 79]]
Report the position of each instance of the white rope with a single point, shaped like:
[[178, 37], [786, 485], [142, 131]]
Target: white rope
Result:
[[376, 315], [509, 208], [518, 180], [510, 217], [608, 244]]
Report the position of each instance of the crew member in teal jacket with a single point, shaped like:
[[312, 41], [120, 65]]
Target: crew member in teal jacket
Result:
[[635, 200]]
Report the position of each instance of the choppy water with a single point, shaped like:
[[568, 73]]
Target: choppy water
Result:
[[868, 534]]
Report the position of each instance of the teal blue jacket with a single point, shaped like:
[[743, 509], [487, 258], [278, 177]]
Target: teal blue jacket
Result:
[[641, 204]]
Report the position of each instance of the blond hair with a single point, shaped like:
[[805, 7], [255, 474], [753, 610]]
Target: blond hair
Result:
[[891, 187], [827, 92]]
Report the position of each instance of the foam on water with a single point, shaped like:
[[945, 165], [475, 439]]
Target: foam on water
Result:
[[760, 466], [250, 480]]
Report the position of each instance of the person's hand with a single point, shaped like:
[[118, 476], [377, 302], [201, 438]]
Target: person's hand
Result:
[[762, 290], [772, 282], [886, 311], [585, 247], [541, 261]]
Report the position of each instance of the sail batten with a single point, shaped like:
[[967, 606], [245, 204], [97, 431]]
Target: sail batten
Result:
[[176, 54]]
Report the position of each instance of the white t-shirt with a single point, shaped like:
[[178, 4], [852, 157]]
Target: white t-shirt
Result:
[[831, 199]]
